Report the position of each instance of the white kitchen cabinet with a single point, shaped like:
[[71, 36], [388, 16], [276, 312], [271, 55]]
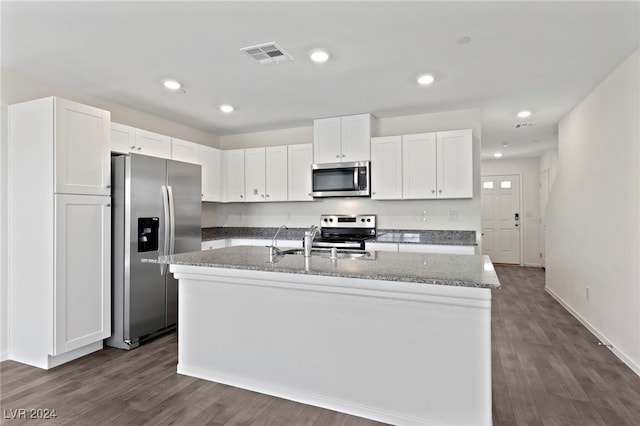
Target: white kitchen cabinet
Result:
[[368, 245], [153, 144], [266, 173], [214, 244], [211, 162], [437, 165], [233, 175], [82, 284], [59, 235], [419, 166], [276, 173], [254, 174], [81, 139], [126, 139], [185, 151], [300, 158], [123, 138], [386, 168], [455, 164], [338, 139], [436, 248]]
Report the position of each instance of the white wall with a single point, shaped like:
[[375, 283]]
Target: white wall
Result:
[[391, 214], [593, 234], [528, 170], [17, 88]]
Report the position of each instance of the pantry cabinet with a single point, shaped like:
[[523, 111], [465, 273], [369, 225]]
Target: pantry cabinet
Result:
[[300, 158], [338, 139], [59, 232]]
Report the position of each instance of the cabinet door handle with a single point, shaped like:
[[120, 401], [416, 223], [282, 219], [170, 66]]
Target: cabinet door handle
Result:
[[433, 191], [343, 155], [241, 196], [440, 191], [133, 147], [338, 156]]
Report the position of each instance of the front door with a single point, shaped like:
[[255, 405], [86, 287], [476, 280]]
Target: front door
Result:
[[501, 219]]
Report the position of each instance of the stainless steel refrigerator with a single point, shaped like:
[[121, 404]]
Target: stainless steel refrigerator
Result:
[[156, 211]]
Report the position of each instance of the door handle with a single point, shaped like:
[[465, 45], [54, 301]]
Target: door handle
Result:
[[172, 220], [167, 230]]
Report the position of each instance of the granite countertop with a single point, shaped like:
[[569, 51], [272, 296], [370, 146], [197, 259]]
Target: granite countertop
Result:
[[441, 269], [404, 236]]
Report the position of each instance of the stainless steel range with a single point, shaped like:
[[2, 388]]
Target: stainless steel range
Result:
[[346, 232]]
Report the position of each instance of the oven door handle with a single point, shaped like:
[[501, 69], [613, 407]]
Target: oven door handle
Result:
[[355, 178]]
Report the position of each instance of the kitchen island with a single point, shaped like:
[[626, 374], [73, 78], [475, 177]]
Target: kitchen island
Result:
[[403, 338]]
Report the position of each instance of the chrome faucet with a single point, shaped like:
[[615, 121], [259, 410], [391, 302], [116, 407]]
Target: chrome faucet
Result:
[[308, 239], [273, 248]]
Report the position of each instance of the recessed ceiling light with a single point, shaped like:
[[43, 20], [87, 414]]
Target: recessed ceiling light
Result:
[[524, 114], [426, 79], [172, 84], [497, 154], [464, 40], [505, 144], [319, 55], [226, 108]]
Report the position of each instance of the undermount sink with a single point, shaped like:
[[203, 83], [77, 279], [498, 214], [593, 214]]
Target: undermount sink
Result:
[[349, 254]]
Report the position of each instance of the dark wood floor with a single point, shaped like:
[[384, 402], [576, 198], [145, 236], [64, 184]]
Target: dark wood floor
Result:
[[547, 370]]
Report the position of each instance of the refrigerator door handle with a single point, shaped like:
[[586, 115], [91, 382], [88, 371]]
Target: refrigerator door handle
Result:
[[172, 220], [167, 227]]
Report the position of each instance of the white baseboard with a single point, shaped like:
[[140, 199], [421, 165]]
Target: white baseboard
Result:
[[617, 352], [4, 356], [532, 265]]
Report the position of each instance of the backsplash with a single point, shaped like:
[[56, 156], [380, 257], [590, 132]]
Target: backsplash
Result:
[[407, 214]]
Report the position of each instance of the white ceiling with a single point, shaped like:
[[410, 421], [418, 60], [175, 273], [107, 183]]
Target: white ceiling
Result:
[[541, 56]]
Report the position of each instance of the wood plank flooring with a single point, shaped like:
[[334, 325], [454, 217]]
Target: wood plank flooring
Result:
[[547, 370]]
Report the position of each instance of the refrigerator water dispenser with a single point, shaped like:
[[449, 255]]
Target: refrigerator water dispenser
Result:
[[148, 234]]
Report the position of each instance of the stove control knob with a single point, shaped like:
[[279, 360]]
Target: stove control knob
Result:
[[362, 220], [368, 219], [330, 219]]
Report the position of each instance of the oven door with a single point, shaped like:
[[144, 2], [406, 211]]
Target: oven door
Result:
[[341, 179]]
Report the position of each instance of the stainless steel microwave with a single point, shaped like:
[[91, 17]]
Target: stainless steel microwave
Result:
[[349, 179]]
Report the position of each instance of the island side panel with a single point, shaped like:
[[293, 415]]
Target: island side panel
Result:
[[363, 347]]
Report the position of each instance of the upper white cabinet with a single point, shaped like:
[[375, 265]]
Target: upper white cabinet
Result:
[[299, 167], [266, 174], [153, 144], [422, 166], [254, 179], [338, 139], [233, 175], [81, 140], [211, 161], [455, 164], [276, 173], [128, 139], [188, 152], [386, 168], [419, 166]]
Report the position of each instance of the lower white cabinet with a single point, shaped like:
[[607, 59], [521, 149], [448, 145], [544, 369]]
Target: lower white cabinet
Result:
[[82, 284], [436, 248], [60, 281], [214, 244]]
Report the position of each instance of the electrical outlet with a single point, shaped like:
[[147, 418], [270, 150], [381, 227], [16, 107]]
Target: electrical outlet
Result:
[[424, 216]]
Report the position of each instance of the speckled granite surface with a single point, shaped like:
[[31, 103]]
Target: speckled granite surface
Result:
[[405, 236], [441, 269]]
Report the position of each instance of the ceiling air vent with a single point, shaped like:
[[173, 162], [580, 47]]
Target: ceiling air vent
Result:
[[523, 125], [267, 54]]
